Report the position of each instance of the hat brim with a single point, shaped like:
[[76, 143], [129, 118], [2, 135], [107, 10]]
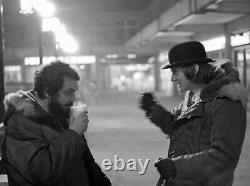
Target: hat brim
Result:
[[188, 62]]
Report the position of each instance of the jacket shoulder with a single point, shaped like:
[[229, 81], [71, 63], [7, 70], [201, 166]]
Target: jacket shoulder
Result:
[[221, 99], [223, 104]]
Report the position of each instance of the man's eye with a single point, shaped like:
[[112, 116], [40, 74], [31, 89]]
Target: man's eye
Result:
[[68, 93]]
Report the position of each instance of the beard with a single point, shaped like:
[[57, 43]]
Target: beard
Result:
[[59, 110]]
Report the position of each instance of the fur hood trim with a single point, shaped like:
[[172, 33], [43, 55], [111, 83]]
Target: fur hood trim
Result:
[[226, 83], [235, 91]]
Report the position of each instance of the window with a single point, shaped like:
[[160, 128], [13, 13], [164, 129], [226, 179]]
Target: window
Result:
[[12, 74]]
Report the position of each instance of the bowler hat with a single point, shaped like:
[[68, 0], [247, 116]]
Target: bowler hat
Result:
[[188, 53]]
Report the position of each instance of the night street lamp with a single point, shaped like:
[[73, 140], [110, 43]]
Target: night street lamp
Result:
[[42, 9], [45, 10], [63, 39]]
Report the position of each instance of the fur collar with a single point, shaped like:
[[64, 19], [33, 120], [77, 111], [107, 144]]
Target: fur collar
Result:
[[24, 102], [226, 83]]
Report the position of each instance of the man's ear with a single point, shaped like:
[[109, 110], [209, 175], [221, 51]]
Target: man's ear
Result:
[[197, 68]]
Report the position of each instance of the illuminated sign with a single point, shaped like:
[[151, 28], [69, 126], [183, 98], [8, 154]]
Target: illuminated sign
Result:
[[72, 60], [240, 39], [214, 44], [220, 42]]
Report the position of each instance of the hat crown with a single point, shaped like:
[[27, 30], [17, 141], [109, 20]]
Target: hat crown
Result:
[[188, 51]]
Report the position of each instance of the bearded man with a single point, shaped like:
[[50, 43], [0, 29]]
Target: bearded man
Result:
[[42, 146]]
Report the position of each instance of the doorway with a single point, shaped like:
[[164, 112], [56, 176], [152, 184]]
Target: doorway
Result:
[[242, 63]]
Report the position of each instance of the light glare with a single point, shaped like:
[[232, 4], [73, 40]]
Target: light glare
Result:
[[238, 40], [65, 40], [26, 6], [112, 56], [50, 24], [151, 59], [72, 60], [69, 44], [131, 56], [214, 44], [44, 8], [138, 67]]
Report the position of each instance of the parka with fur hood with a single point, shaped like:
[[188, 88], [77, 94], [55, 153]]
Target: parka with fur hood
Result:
[[206, 138], [39, 148]]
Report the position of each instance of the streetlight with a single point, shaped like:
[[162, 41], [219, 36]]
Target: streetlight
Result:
[[63, 39], [42, 9], [45, 11]]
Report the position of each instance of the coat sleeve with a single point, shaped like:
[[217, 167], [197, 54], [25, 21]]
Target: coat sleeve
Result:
[[96, 176], [41, 154], [163, 118], [227, 135]]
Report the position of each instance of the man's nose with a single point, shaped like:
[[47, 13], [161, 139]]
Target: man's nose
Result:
[[173, 78]]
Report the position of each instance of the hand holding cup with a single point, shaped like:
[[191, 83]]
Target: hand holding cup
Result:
[[79, 118]]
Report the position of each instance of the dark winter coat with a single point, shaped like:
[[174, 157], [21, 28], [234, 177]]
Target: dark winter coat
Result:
[[206, 138], [40, 150]]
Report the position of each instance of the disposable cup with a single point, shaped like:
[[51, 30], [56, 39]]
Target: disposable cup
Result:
[[77, 110]]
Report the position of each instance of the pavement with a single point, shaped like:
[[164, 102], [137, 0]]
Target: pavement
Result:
[[118, 127], [118, 131]]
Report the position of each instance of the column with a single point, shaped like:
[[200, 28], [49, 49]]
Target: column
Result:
[[157, 75], [244, 68], [228, 45], [107, 77], [99, 73], [2, 92]]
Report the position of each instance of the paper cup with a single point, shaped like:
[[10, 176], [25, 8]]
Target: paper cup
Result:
[[77, 110]]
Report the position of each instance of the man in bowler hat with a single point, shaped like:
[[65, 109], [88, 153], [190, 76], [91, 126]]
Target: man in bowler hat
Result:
[[207, 129]]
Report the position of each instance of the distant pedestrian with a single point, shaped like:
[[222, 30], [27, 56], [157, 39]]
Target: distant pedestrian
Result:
[[207, 129]]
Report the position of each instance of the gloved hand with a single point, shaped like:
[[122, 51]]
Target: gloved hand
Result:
[[146, 101], [166, 168]]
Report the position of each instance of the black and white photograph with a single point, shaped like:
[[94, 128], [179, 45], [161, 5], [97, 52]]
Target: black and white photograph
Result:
[[124, 92]]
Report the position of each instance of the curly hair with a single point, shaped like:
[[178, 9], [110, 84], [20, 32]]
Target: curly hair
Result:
[[50, 78]]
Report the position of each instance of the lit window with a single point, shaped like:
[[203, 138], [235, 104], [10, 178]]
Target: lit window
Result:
[[240, 39], [214, 44], [12, 74]]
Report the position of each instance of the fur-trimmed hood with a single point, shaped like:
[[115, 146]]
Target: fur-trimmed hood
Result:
[[23, 102], [17, 100], [226, 83]]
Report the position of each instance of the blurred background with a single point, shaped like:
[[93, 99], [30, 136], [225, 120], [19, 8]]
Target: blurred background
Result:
[[119, 47]]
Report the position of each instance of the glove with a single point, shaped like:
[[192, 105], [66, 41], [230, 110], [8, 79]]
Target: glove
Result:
[[166, 168], [146, 101]]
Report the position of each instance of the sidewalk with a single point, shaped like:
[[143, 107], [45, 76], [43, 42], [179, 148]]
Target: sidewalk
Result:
[[118, 127]]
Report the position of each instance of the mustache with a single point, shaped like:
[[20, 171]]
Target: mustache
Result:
[[69, 104]]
